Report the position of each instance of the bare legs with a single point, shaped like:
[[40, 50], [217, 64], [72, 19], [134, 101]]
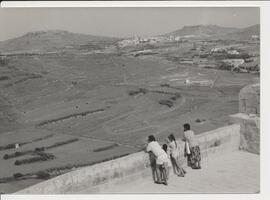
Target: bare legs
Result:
[[163, 173], [177, 167]]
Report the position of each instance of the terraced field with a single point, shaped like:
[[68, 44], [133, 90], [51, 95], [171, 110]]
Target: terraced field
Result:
[[96, 107]]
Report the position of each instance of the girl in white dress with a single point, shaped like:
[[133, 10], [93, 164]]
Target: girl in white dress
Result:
[[174, 155]]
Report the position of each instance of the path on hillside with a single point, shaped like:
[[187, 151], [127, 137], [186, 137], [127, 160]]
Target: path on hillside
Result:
[[232, 172]]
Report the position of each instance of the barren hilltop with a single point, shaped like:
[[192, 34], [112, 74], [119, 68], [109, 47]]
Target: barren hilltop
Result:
[[217, 31], [51, 40]]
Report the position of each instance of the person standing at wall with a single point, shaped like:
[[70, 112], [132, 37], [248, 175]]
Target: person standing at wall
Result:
[[161, 159], [169, 165], [152, 159], [194, 158], [174, 156]]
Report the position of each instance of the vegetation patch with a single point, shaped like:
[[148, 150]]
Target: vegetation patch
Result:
[[62, 143], [4, 62], [16, 154], [166, 102], [12, 145], [34, 76], [105, 148], [41, 157], [43, 138], [38, 150], [64, 169], [4, 78], [7, 179], [30, 77], [200, 120], [9, 146], [17, 175], [170, 101], [165, 85], [52, 172], [175, 97], [42, 175], [137, 92], [82, 114]]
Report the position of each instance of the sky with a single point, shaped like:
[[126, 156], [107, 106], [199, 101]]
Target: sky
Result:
[[120, 22]]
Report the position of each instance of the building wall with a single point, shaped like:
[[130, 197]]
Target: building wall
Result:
[[119, 171]]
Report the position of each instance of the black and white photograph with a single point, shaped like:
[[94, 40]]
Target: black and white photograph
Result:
[[130, 100]]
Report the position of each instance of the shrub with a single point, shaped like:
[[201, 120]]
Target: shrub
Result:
[[12, 146], [69, 166], [198, 120], [9, 146], [168, 103], [17, 175], [165, 85], [4, 78], [17, 153], [217, 143], [17, 162], [40, 157], [5, 157], [62, 143], [40, 149], [136, 92], [105, 148], [42, 175], [175, 97], [3, 62]]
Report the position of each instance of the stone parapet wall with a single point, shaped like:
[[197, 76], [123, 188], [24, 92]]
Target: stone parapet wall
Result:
[[249, 118], [249, 99], [125, 169], [250, 132]]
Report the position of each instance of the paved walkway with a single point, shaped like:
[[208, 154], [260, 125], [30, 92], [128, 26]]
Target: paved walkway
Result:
[[234, 172]]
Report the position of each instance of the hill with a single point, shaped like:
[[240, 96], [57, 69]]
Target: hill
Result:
[[215, 31], [202, 30], [50, 40], [245, 33]]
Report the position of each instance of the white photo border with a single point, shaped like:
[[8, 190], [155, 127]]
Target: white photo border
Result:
[[265, 95]]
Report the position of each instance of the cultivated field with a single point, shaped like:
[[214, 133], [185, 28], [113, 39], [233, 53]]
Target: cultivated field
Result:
[[69, 110]]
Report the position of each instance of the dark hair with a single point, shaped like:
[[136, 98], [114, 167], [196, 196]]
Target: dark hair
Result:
[[172, 138], [165, 147], [151, 138], [187, 126]]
